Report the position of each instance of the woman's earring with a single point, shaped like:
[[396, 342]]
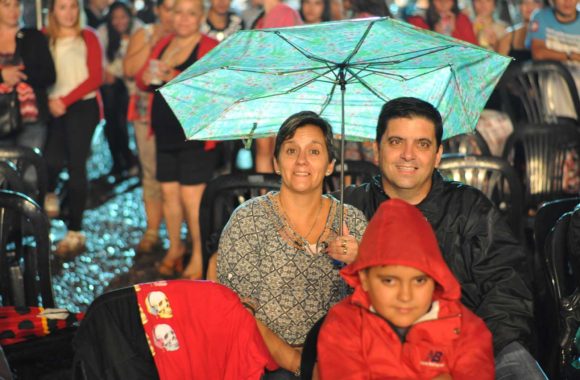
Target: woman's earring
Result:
[[328, 173], [278, 172]]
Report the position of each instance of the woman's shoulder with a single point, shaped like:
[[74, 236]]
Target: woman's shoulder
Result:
[[254, 205]]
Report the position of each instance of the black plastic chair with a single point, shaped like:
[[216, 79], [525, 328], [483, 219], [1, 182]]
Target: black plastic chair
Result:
[[552, 284], [525, 92], [10, 179], [539, 153], [467, 143], [26, 159], [221, 197], [562, 263], [17, 210], [495, 178], [355, 173]]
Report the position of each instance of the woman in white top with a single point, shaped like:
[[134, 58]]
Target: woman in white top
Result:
[[75, 110]]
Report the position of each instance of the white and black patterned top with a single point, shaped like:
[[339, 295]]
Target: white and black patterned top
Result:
[[290, 287], [235, 23]]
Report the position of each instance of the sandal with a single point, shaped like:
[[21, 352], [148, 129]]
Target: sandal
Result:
[[149, 242], [71, 246], [170, 267]]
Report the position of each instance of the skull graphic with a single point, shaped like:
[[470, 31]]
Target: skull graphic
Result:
[[158, 304], [165, 338]]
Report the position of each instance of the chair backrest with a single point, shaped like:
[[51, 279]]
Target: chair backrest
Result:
[[33, 262], [309, 351], [545, 90], [548, 288], [10, 178], [545, 157], [467, 143], [355, 173], [221, 197], [495, 178], [32, 168], [563, 275]]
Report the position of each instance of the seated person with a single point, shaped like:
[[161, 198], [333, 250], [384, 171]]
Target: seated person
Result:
[[273, 250], [405, 318]]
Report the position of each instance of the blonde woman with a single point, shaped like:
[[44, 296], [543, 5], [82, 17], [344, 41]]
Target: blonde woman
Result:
[[183, 167], [73, 105]]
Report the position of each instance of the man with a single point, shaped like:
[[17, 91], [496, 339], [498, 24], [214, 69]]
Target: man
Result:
[[476, 243], [95, 11]]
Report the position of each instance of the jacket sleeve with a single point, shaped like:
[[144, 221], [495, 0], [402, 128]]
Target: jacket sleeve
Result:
[[340, 351], [95, 67], [38, 63], [501, 272], [464, 29], [474, 350]]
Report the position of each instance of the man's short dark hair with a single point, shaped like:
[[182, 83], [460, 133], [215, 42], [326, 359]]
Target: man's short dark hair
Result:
[[408, 107], [300, 119]]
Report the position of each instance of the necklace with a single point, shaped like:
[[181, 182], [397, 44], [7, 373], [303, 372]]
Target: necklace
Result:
[[304, 239]]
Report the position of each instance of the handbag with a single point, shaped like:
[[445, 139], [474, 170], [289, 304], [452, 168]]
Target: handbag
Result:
[[10, 118]]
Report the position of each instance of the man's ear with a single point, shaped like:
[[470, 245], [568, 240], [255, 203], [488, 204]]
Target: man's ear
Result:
[[438, 155]]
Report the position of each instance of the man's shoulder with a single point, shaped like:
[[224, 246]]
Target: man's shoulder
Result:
[[457, 195]]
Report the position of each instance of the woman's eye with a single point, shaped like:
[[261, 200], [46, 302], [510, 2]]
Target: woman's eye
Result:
[[290, 151], [315, 152]]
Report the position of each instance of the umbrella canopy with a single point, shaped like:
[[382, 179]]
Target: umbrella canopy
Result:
[[250, 83]]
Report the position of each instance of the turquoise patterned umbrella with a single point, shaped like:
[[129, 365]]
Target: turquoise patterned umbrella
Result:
[[255, 79]]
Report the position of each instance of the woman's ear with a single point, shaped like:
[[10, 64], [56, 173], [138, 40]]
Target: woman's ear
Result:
[[330, 167], [276, 167]]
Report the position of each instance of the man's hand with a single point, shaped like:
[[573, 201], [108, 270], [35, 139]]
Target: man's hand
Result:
[[12, 75]]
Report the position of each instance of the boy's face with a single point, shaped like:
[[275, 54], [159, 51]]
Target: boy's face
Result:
[[400, 294]]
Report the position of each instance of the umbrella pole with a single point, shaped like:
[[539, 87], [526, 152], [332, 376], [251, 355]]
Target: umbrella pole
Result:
[[342, 148]]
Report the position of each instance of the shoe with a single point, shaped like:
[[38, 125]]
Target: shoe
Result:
[[149, 242], [73, 243], [51, 205], [170, 268]]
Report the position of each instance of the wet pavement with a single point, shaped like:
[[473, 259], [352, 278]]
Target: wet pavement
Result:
[[113, 225]]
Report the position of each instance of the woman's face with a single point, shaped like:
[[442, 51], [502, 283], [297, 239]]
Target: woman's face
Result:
[[303, 160], [443, 6], [66, 13], [484, 8], [165, 14], [120, 20], [187, 17], [10, 13], [312, 11], [527, 7], [221, 7]]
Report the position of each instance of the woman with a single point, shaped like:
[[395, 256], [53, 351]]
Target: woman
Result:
[[273, 250], [26, 67], [221, 22], [138, 51], [369, 8], [114, 36], [276, 14], [183, 167], [73, 104], [513, 43], [315, 11], [486, 27], [443, 16]]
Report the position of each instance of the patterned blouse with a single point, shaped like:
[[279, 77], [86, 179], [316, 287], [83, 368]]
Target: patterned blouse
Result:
[[263, 260]]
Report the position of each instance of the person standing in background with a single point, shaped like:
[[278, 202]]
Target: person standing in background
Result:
[[138, 51], [220, 21], [73, 103], [95, 11]]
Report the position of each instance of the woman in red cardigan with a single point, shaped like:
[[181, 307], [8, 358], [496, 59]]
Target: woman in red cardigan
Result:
[[183, 167], [444, 16], [75, 110]]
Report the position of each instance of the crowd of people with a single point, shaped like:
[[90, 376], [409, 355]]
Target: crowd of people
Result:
[[451, 262]]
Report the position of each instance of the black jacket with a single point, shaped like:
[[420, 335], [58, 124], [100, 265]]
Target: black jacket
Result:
[[480, 250], [32, 46]]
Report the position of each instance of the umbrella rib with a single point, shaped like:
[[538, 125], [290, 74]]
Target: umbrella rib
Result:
[[302, 51], [380, 60], [366, 85], [328, 99], [387, 74], [359, 44]]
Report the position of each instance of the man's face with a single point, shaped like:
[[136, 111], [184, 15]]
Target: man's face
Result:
[[398, 293], [566, 8], [408, 154]]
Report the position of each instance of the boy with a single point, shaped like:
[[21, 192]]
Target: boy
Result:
[[404, 319]]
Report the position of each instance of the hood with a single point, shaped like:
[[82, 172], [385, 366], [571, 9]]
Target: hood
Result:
[[399, 234]]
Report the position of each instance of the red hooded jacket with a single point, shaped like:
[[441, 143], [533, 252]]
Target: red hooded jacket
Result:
[[356, 343]]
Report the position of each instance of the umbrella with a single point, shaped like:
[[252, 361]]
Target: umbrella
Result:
[[345, 71]]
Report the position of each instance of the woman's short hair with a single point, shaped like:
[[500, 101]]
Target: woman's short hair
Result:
[[300, 119]]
